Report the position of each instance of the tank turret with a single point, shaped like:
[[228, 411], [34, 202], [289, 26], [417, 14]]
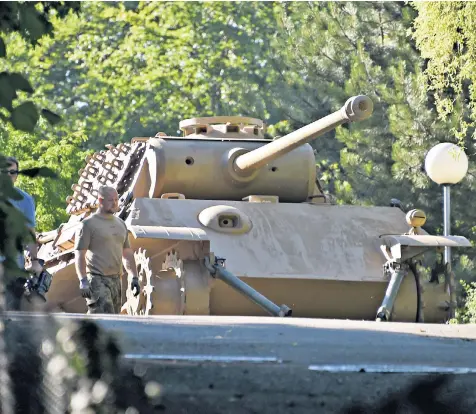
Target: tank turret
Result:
[[224, 221], [225, 157]]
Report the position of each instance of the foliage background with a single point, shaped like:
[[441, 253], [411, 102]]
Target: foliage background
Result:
[[119, 70], [123, 69]]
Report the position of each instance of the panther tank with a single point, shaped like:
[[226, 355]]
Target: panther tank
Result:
[[224, 221]]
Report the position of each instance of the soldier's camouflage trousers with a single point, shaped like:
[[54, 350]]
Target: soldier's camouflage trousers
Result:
[[105, 294]]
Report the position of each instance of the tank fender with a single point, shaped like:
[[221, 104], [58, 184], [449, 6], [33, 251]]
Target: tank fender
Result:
[[404, 247]]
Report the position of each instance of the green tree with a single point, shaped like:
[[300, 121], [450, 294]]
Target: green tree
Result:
[[23, 132], [30, 21], [59, 153], [444, 35], [123, 70], [337, 50]]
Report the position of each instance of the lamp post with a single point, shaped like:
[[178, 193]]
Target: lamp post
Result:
[[447, 164]]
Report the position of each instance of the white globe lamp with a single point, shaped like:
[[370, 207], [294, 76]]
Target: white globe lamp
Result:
[[446, 163]]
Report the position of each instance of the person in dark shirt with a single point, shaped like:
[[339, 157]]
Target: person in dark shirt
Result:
[[26, 206]]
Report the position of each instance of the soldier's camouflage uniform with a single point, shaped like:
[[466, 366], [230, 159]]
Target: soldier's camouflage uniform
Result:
[[105, 294]]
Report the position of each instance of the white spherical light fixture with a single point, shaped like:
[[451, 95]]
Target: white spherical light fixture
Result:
[[446, 163]]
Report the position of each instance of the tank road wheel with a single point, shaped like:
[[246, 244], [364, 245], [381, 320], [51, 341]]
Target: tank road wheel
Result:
[[162, 286]]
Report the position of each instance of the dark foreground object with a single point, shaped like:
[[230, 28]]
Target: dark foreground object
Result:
[[213, 388], [72, 367], [236, 365]]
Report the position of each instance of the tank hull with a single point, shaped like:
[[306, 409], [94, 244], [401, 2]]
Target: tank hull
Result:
[[331, 299], [308, 299], [323, 261], [282, 240], [224, 191]]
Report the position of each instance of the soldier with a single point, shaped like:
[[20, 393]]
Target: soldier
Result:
[[101, 242]]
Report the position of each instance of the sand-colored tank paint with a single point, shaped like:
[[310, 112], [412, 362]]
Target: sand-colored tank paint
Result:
[[223, 190]]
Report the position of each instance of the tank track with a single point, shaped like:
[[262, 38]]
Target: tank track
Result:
[[115, 167]]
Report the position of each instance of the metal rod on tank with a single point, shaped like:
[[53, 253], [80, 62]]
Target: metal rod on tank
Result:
[[397, 275], [356, 108], [230, 279]]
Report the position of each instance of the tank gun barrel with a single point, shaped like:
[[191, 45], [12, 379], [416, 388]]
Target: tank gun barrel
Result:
[[357, 108]]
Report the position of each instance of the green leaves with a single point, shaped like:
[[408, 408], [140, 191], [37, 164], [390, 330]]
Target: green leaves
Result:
[[39, 172], [25, 116], [32, 21], [7, 91], [20, 83], [116, 69], [9, 192], [445, 36], [51, 117], [3, 49], [33, 24]]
